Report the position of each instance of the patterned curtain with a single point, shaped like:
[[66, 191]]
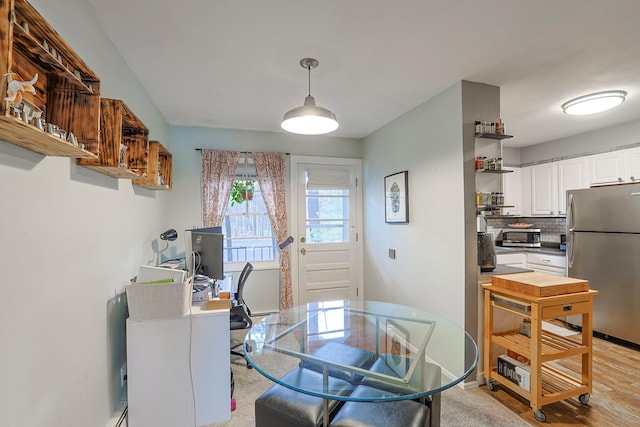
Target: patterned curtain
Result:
[[270, 170], [218, 172]]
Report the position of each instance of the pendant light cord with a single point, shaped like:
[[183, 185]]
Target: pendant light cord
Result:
[[309, 69]]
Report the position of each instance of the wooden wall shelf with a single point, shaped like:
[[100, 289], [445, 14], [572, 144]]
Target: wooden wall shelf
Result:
[[158, 175], [67, 90], [120, 126]]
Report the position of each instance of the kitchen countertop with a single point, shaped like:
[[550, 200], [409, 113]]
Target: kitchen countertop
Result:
[[485, 277]]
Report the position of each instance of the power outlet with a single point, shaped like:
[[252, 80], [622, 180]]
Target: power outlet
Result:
[[123, 375]]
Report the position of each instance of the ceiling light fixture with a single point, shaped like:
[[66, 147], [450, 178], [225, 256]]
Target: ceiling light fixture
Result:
[[309, 119], [594, 103]]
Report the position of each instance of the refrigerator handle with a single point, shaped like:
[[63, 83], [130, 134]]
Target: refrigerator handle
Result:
[[570, 235]]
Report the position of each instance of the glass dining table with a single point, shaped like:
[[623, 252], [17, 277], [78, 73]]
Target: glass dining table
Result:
[[402, 352]]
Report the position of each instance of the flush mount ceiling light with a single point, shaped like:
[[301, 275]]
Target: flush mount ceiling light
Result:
[[309, 119], [594, 103]]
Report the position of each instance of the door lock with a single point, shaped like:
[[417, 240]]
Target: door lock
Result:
[[303, 251], [303, 239]]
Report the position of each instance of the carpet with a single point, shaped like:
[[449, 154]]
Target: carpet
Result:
[[460, 408]]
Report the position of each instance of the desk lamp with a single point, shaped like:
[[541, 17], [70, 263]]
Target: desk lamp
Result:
[[168, 236]]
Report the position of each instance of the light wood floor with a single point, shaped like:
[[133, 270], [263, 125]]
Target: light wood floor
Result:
[[615, 400]]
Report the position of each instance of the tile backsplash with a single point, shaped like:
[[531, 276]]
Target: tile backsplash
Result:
[[550, 227]]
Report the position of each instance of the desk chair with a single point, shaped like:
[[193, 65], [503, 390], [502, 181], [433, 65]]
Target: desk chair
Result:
[[240, 314]]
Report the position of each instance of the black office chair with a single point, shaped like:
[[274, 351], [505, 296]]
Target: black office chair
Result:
[[240, 314]]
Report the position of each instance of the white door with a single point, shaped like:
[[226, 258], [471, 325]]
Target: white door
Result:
[[573, 174], [327, 262], [544, 189]]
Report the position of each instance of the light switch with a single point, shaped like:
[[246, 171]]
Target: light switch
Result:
[[392, 253]]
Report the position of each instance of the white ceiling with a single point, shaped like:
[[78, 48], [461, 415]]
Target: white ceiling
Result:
[[235, 63]]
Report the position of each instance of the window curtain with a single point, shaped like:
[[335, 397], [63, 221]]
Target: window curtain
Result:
[[270, 171], [218, 172]]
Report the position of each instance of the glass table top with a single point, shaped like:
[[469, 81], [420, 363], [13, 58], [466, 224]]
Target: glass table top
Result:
[[329, 348]]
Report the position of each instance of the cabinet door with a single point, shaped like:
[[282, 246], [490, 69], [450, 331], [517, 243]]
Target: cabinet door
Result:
[[632, 157], [573, 174], [607, 168], [512, 189], [544, 189]]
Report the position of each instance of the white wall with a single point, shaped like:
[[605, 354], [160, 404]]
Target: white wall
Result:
[[185, 200], [70, 238], [428, 271], [608, 139]]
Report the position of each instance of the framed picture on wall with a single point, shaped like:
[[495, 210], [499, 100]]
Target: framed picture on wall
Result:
[[396, 204]]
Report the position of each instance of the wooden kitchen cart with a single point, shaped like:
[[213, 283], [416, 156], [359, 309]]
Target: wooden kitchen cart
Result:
[[538, 297]]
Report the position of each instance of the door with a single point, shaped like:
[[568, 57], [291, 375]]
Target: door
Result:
[[328, 262], [573, 174]]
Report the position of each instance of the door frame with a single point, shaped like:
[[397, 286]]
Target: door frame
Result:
[[294, 161]]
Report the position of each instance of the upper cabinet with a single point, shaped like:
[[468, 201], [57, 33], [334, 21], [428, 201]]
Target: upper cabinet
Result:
[[512, 189], [51, 98], [573, 174], [544, 189], [633, 164], [607, 168]]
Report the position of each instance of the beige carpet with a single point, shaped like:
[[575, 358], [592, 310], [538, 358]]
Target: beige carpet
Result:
[[460, 408]]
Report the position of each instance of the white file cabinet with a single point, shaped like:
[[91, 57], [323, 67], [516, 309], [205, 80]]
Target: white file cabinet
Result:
[[162, 383]]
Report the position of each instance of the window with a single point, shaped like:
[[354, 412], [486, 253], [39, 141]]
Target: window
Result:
[[327, 204], [248, 233]]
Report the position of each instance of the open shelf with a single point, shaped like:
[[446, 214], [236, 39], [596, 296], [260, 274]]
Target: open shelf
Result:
[[493, 136], [158, 174], [67, 90], [120, 128]]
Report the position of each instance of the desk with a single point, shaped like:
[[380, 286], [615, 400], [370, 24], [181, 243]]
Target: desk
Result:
[[171, 361], [414, 345]]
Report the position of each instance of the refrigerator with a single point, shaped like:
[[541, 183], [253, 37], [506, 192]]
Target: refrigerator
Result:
[[603, 246]]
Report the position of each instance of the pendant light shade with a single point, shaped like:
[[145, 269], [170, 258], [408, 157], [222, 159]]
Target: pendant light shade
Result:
[[594, 103], [309, 119]]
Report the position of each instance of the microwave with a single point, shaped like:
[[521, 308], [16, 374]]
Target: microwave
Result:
[[527, 238]]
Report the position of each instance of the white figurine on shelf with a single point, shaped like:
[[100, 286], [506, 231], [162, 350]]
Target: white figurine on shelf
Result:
[[15, 88]]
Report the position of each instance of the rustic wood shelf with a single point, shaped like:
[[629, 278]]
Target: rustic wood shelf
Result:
[[32, 138], [67, 90], [120, 127], [158, 175]]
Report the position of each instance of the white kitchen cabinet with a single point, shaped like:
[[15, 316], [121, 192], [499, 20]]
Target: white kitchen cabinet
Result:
[[607, 168], [512, 189], [544, 189], [171, 361], [632, 157], [573, 174], [545, 263], [512, 260]]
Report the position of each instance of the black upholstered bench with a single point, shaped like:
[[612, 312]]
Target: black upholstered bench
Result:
[[280, 406], [342, 354], [405, 413]]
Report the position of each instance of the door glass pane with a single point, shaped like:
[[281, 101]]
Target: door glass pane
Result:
[[327, 216]]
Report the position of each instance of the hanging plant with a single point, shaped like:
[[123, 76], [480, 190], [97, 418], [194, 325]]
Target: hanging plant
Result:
[[241, 191]]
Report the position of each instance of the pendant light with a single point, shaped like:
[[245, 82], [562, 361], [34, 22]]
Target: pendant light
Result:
[[594, 103], [309, 119]]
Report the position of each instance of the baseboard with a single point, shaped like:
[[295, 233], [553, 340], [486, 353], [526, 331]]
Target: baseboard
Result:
[[119, 416]]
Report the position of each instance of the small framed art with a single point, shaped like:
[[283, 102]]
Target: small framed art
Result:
[[396, 204]]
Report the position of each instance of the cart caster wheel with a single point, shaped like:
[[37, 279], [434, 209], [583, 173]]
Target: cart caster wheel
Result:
[[584, 398], [539, 415], [491, 385]]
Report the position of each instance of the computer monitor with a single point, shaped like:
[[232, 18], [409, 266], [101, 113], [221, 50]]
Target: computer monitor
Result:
[[204, 253]]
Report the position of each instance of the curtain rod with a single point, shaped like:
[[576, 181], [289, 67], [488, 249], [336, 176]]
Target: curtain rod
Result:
[[241, 152]]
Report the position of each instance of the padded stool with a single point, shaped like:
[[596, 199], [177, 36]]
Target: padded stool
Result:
[[432, 376], [343, 354], [405, 413], [280, 406]]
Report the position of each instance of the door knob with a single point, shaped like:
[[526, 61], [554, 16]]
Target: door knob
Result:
[[303, 239], [303, 251]]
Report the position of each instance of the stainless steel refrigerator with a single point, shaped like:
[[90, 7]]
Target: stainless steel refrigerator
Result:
[[603, 246]]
